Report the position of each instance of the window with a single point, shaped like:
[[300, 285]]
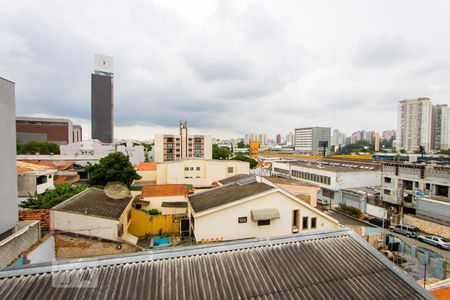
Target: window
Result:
[[313, 223], [295, 221], [129, 216], [263, 222], [186, 168], [230, 169], [427, 186], [192, 168], [198, 168], [41, 179], [386, 192], [305, 223], [387, 180], [242, 220]]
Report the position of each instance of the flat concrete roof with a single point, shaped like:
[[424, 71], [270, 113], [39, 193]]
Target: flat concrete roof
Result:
[[337, 167]]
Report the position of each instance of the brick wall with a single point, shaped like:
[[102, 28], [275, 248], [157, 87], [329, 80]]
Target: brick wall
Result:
[[427, 226], [42, 215]]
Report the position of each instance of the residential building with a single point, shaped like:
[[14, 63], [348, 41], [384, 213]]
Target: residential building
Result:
[[169, 199], [34, 179], [247, 208], [260, 137], [290, 139], [388, 134], [14, 236], [440, 130], [377, 142], [414, 124], [330, 176], [183, 146], [96, 150], [59, 131], [367, 199], [312, 140], [278, 139], [276, 267], [404, 183], [102, 99], [199, 173], [147, 171], [93, 213], [338, 138]]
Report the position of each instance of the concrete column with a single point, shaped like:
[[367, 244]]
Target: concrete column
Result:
[[413, 251]]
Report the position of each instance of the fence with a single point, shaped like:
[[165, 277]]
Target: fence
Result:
[[144, 224]]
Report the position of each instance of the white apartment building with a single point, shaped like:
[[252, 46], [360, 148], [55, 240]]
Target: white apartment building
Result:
[[290, 139], [96, 149], [414, 124], [440, 127], [183, 146], [331, 177], [260, 137], [309, 140], [199, 172]]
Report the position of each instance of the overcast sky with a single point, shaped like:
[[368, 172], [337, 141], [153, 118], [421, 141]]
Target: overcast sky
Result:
[[228, 67]]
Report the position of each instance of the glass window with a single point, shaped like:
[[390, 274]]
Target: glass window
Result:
[[305, 223], [263, 222], [230, 170], [313, 223], [242, 220]]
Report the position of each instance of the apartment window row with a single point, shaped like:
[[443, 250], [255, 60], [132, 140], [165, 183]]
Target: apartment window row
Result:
[[312, 177], [306, 224]]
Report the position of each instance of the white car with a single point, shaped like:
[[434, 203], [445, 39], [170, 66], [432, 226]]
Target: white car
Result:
[[322, 201], [435, 241]]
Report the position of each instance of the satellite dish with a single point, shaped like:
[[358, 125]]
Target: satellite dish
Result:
[[116, 190]]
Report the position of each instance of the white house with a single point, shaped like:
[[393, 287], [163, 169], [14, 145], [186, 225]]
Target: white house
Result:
[[248, 208], [34, 178], [93, 213], [199, 172]]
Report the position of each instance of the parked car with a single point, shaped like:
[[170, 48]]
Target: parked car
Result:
[[379, 222], [435, 241], [408, 230], [322, 201]]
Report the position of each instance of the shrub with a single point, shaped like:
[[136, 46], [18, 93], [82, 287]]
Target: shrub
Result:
[[52, 198], [349, 210]]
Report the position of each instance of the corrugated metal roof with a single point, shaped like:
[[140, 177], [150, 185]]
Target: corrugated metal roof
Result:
[[235, 178], [94, 202], [330, 265], [225, 194]]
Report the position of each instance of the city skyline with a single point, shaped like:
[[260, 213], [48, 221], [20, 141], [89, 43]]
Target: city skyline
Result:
[[184, 69]]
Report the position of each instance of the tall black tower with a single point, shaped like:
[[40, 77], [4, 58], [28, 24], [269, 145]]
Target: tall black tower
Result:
[[102, 99]]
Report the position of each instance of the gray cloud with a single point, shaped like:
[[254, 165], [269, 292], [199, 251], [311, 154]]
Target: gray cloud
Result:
[[233, 66]]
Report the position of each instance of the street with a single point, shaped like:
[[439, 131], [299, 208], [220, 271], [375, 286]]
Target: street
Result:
[[345, 220]]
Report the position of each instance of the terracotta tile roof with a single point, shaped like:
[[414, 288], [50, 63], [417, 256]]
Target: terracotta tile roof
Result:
[[94, 202], [226, 194], [164, 190], [22, 166], [61, 179], [146, 166], [43, 215], [62, 165]]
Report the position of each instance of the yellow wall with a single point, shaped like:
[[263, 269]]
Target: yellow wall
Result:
[[142, 223]]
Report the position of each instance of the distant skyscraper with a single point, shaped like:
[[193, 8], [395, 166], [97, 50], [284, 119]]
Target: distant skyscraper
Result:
[[102, 105], [260, 137], [290, 139], [414, 124], [388, 134], [278, 139], [440, 127]]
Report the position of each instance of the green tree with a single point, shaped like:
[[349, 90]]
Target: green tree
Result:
[[35, 147], [253, 163], [220, 152], [52, 198], [114, 167]]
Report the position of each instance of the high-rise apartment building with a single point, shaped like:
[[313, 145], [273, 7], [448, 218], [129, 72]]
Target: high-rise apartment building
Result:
[[388, 134], [102, 99], [290, 139], [183, 146], [259, 137], [55, 130], [440, 134], [311, 140], [414, 124], [338, 138], [278, 140]]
